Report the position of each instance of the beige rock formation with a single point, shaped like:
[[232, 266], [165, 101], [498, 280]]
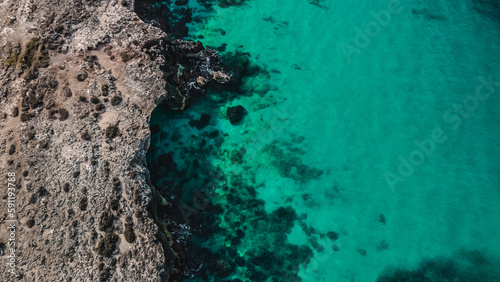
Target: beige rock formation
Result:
[[76, 92]]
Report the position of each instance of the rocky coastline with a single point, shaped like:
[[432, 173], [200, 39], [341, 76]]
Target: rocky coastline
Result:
[[78, 82]]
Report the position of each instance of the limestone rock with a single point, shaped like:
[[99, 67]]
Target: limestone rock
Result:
[[66, 171], [221, 77]]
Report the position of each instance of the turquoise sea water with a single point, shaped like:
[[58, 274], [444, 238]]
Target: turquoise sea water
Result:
[[376, 121]]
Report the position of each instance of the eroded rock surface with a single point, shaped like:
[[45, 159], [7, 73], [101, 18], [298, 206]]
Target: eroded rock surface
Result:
[[78, 81]]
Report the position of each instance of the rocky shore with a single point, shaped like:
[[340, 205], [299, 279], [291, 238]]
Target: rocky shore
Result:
[[78, 82]]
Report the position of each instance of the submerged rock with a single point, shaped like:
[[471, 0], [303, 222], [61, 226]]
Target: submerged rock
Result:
[[201, 81], [201, 123], [332, 235], [167, 160], [236, 114], [155, 128]]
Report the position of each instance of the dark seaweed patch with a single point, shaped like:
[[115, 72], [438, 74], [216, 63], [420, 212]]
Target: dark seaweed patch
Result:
[[167, 15], [286, 159], [183, 173], [490, 8], [463, 266]]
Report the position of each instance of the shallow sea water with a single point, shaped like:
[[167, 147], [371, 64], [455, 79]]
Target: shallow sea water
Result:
[[362, 110]]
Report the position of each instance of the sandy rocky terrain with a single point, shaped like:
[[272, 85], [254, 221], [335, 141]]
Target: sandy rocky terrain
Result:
[[78, 81]]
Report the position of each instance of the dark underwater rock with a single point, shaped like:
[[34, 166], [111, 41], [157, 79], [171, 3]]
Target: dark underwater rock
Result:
[[222, 267], [201, 123], [213, 134], [190, 69], [240, 261], [236, 114], [155, 128], [332, 235], [167, 160], [464, 265]]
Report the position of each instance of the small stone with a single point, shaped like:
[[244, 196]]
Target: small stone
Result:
[[201, 81], [221, 77]]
